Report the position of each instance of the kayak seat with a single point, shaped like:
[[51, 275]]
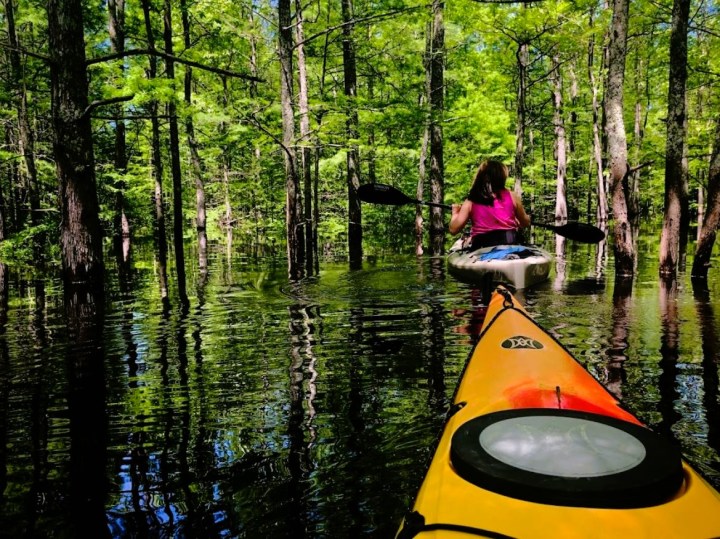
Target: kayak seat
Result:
[[567, 457]]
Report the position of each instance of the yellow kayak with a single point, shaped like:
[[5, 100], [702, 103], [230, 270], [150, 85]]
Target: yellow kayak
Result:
[[536, 447]]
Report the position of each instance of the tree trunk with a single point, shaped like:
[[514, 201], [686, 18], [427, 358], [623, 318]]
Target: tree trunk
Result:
[[437, 104], [26, 139], [353, 158], [422, 174], [80, 232], [704, 248], [305, 150], [175, 167], [617, 141], [638, 135], [422, 167], [561, 212], [292, 181], [195, 161], [676, 188], [597, 162], [700, 204], [116, 29], [227, 219], [522, 57], [160, 232]]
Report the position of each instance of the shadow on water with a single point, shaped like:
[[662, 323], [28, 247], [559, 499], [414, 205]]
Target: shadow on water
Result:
[[4, 379], [669, 355], [88, 421], [621, 320], [38, 377], [711, 358]]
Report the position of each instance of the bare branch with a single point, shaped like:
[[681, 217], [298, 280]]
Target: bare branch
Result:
[[378, 16], [101, 102], [640, 166], [155, 52], [26, 52]]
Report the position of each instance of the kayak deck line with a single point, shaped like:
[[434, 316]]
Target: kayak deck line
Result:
[[534, 446], [414, 524]]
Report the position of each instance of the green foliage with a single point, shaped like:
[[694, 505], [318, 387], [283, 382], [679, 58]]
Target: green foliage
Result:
[[19, 249], [238, 122]]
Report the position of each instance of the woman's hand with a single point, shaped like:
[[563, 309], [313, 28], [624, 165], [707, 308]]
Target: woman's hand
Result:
[[460, 216]]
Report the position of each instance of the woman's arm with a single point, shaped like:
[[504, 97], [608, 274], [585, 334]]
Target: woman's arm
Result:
[[460, 216], [522, 217]]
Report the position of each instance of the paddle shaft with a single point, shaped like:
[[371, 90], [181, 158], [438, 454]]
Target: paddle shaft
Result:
[[378, 193], [433, 204]]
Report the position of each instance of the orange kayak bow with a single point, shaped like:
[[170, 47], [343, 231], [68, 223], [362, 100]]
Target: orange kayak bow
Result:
[[535, 447]]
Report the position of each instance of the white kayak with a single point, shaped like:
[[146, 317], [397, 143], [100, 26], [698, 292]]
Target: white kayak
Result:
[[519, 266]]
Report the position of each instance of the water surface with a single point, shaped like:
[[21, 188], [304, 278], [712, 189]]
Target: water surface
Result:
[[277, 409]]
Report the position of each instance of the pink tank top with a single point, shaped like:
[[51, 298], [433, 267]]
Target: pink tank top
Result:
[[498, 216]]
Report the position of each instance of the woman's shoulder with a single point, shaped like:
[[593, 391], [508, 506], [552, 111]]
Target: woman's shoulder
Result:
[[507, 194]]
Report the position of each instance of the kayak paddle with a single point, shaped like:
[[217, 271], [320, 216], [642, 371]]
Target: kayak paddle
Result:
[[575, 231], [380, 193]]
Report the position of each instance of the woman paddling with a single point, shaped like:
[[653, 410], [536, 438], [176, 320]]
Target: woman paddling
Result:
[[496, 213]]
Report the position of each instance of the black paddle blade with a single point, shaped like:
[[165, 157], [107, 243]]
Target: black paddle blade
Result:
[[379, 193], [581, 232]]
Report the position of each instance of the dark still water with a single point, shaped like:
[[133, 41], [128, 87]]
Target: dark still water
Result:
[[272, 409]]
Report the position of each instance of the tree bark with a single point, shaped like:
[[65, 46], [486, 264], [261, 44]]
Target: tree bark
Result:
[[195, 161], [437, 104], [711, 220], [80, 232], [26, 138], [353, 158], [597, 162], [675, 218], [116, 29], [305, 150], [522, 59], [175, 168], [157, 164], [561, 212], [293, 211], [422, 166], [617, 141], [638, 135]]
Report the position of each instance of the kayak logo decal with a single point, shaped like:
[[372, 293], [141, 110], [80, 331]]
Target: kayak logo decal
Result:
[[521, 342]]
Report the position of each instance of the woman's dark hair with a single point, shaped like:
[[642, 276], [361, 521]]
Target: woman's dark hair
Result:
[[489, 180]]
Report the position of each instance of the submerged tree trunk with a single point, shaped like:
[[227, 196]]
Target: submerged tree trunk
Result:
[[711, 220], [617, 141], [175, 168], [305, 150], [26, 138], [561, 212], [596, 161], [676, 189], [116, 28], [437, 105], [638, 135], [195, 161], [353, 158], [160, 232], [80, 232], [293, 211], [422, 166]]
